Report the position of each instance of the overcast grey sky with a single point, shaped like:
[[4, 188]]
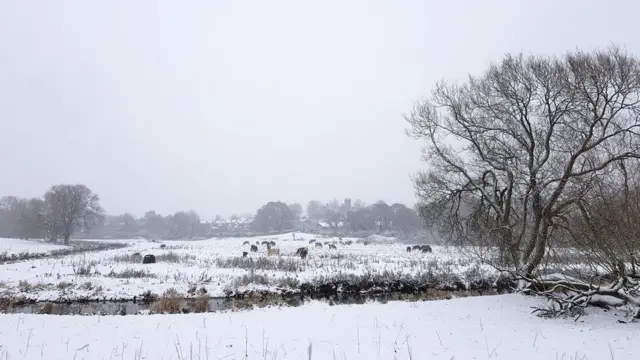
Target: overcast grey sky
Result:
[[220, 106]]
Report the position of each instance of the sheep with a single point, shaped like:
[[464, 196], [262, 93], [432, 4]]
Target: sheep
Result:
[[318, 245], [273, 243], [312, 241], [273, 251], [415, 247], [425, 248], [302, 252], [254, 248], [265, 243], [408, 248], [245, 243], [332, 246], [244, 254]]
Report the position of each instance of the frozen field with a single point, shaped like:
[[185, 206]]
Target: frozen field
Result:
[[491, 327], [218, 266], [17, 247]]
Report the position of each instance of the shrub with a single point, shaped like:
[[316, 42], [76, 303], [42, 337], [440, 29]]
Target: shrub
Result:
[[172, 257], [261, 263], [170, 302], [201, 303], [131, 274]]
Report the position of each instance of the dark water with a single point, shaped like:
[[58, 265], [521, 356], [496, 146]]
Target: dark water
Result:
[[225, 304]]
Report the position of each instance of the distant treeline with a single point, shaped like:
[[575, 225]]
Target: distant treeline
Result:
[[67, 211]]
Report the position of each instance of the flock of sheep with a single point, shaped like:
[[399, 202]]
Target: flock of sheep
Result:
[[304, 251]]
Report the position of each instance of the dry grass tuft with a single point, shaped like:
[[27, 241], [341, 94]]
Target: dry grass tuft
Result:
[[47, 309], [170, 302], [201, 303]]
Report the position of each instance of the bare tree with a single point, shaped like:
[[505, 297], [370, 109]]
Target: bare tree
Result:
[[296, 210], [184, 224], [33, 222], [273, 216], [383, 215], [316, 210], [71, 208], [334, 214], [12, 209], [509, 152], [604, 234], [404, 218]]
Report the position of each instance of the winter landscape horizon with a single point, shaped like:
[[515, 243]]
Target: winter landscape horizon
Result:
[[319, 180]]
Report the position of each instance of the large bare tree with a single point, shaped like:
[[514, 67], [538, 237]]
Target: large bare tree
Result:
[[511, 152], [71, 208]]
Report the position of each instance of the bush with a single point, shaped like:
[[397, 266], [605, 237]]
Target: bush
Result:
[[261, 263], [201, 303], [171, 302], [131, 274]]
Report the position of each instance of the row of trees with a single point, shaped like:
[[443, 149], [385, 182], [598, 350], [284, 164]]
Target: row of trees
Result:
[[538, 155], [344, 217], [63, 210], [66, 210], [180, 225]]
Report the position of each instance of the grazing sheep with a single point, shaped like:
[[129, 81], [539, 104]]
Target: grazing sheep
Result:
[[149, 259], [332, 246], [254, 248], [326, 243], [257, 242], [244, 254], [408, 248], [312, 241], [273, 251], [365, 243], [341, 243], [425, 248], [318, 245], [348, 242], [302, 252], [416, 247], [273, 243], [265, 243], [339, 238], [163, 246], [268, 247], [245, 243]]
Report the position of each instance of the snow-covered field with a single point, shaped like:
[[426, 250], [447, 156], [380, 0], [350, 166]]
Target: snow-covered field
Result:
[[491, 327], [18, 246], [218, 266]]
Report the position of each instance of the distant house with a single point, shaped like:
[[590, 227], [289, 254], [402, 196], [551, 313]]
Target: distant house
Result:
[[220, 225]]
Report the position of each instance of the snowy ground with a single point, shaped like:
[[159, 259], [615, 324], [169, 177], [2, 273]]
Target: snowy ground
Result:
[[492, 327], [18, 247], [217, 265]]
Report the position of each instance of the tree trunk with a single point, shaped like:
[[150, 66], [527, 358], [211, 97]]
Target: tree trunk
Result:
[[66, 238]]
